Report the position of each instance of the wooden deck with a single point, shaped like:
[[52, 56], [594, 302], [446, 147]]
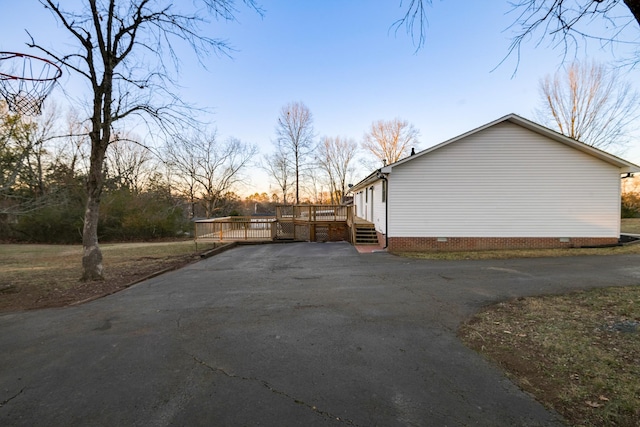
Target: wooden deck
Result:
[[358, 220], [292, 222], [314, 213]]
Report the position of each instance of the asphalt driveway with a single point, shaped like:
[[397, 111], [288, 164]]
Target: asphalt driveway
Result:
[[303, 334]]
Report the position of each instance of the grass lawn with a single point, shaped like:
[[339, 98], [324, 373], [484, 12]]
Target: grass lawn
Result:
[[38, 276], [630, 225]]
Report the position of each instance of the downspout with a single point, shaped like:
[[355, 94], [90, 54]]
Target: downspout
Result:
[[386, 208]]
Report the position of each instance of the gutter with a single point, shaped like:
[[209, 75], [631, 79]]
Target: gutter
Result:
[[380, 175]]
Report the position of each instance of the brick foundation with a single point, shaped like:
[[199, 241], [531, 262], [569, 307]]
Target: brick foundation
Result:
[[433, 244]]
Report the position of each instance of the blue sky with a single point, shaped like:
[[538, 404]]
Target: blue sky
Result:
[[344, 61]]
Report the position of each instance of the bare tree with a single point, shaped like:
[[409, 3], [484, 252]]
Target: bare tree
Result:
[[42, 132], [221, 171], [129, 163], [313, 186], [589, 103], [415, 21], [209, 169], [182, 165], [390, 140], [295, 137], [335, 156], [71, 150], [565, 22], [279, 169], [115, 41]]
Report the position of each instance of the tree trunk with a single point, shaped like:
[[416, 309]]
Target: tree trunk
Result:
[[91, 253], [297, 188], [100, 136], [634, 7]]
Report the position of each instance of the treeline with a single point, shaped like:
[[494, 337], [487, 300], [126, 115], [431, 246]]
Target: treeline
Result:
[[148, 193], [53, 211], [631, 197], [57, 215], [155, 189]]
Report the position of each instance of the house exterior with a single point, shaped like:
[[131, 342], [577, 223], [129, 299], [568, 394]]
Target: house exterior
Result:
[[511, 183]]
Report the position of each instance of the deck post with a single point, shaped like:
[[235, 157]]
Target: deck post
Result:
[[300, 222]]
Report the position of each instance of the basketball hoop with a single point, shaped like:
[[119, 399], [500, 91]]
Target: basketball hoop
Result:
[[25, 81]]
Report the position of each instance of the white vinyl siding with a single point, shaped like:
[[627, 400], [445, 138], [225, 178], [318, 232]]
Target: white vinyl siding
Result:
[[378, 207], [504, 181], [358, 201], [364, 204]]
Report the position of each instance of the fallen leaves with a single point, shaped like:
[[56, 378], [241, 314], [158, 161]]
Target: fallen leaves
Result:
[[521, 335], [592, 404], [572, 351]]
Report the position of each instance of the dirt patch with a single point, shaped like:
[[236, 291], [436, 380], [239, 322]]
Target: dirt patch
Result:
[[45, 276], [29, 297]]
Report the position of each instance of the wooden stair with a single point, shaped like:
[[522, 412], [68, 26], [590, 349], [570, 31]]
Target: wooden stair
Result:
[[365, 234]]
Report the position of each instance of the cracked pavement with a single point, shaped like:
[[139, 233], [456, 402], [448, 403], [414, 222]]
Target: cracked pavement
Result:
[[303, 334]]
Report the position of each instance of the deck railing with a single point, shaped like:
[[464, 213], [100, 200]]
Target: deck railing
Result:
[[313, 213], [292, 222], [235, 228]]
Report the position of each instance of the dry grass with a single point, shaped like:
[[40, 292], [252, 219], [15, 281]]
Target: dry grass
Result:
[[630, 225], [577, 353], [59, 265], [524, 253], [37, 276]]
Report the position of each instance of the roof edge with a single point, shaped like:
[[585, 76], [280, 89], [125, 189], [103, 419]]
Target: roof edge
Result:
[[624, 165], [369, 179]]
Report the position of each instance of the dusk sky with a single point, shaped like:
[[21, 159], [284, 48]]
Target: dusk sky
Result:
[[345, 62]]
